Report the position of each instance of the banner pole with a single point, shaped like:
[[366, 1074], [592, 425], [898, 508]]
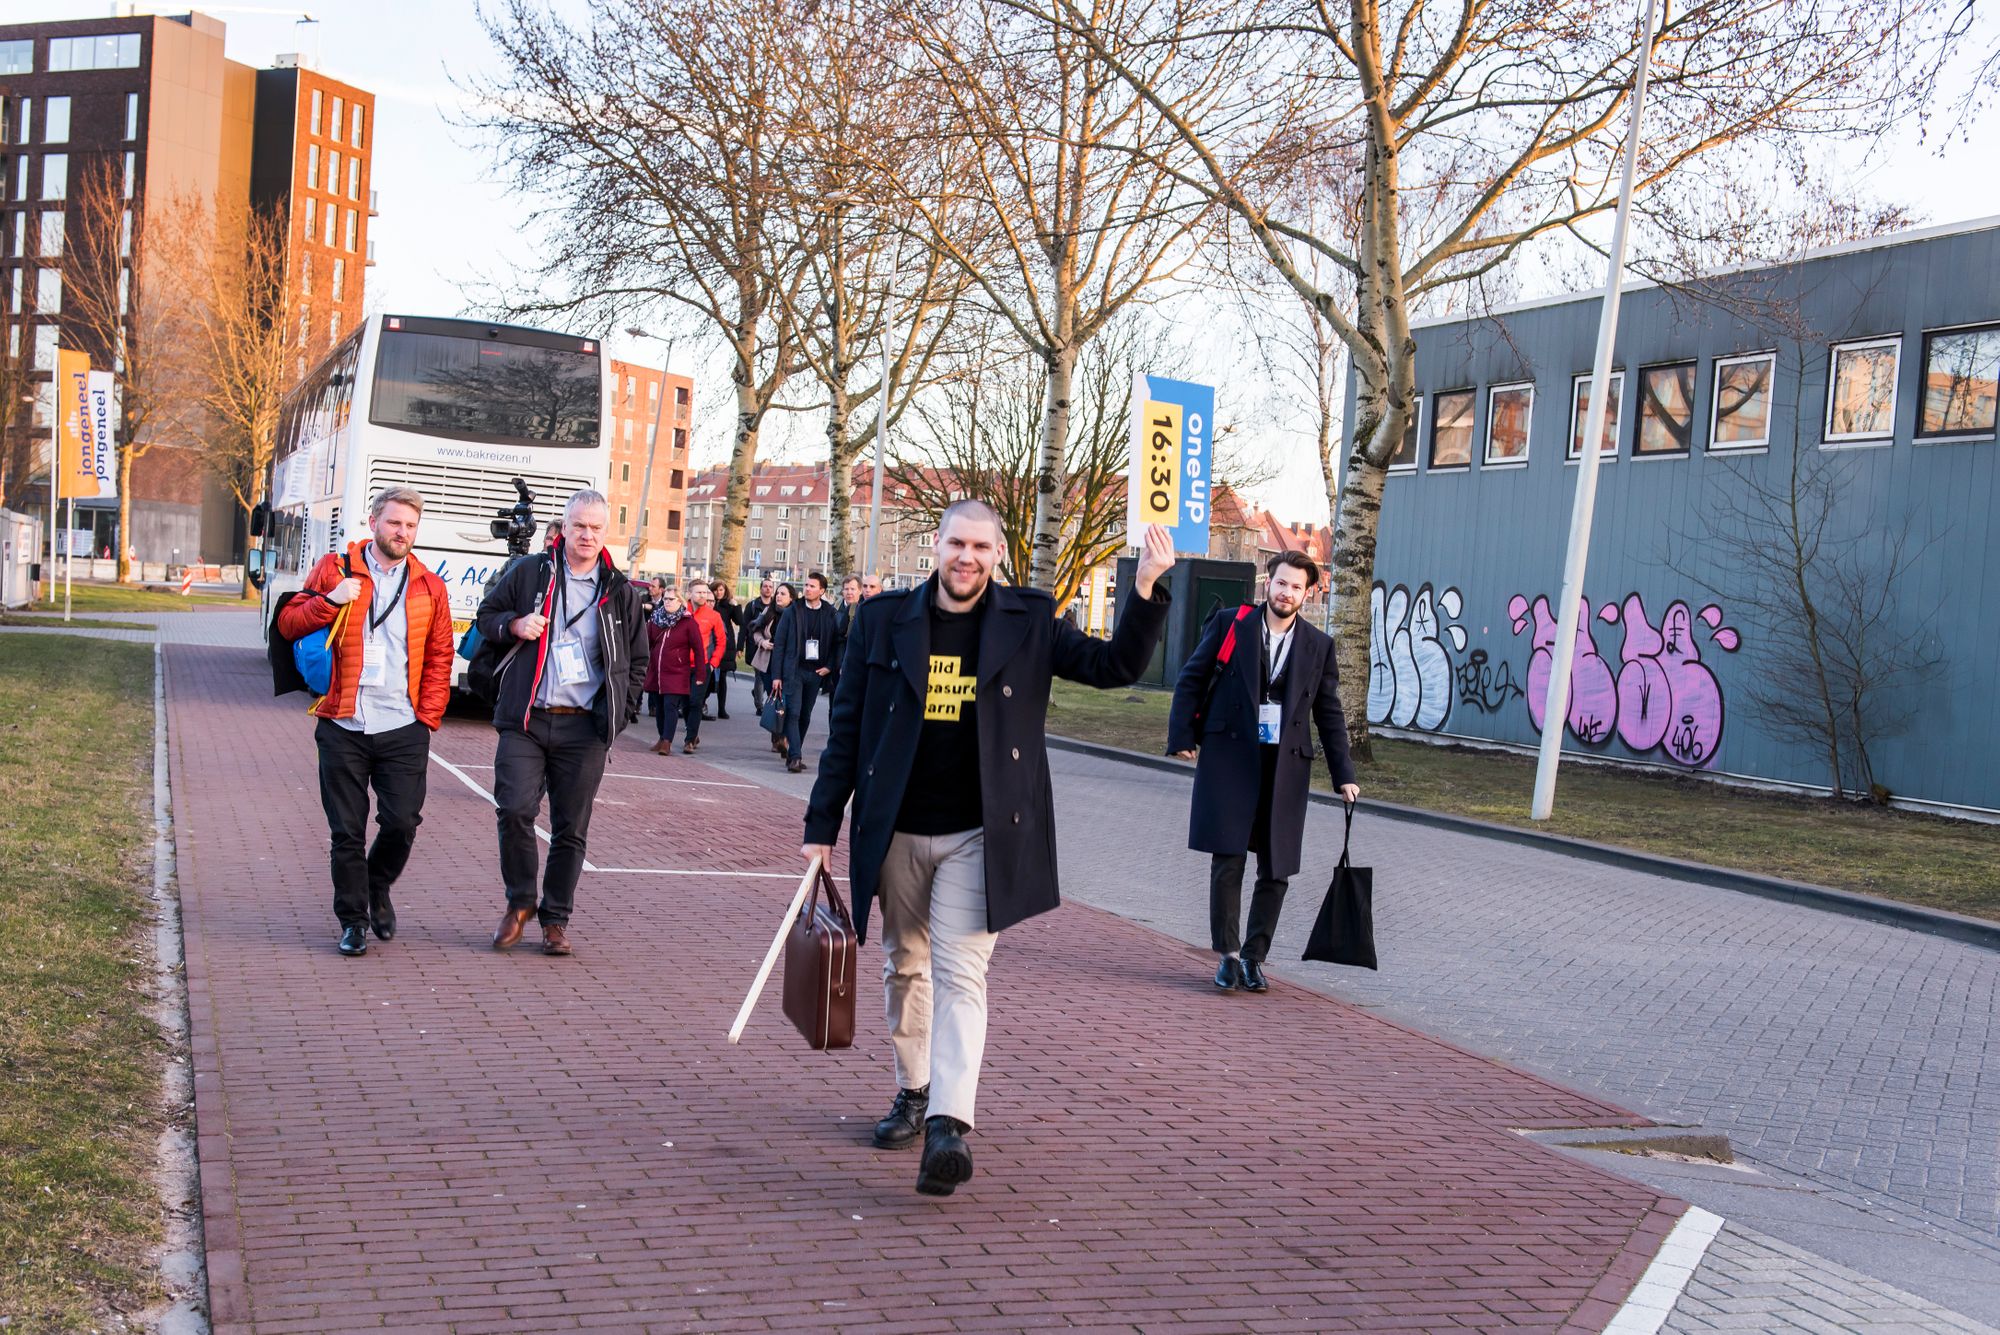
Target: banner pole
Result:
[[69, 556], [55, 480]]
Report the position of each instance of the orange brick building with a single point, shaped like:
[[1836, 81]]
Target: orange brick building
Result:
[[635, 392]]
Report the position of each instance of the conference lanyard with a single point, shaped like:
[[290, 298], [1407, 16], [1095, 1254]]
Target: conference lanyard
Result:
[[1274, 662], [375, 622], [562, 600]]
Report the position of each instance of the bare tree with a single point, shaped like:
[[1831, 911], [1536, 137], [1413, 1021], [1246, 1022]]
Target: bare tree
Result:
[[18, 445], [126, 303], [869, 269], [1079, 212], [662, 133], [1828, 584], [1455, 138]]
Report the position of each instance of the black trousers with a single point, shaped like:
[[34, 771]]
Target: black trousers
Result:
[[801, 690], [397, 765], [1225, 884], [718, 689], [562, 756], [668, 710]]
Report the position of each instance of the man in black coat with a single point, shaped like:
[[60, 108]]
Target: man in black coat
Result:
[[938, 734], [573, 643], [1245, 700], [804, 653], [746, 621]]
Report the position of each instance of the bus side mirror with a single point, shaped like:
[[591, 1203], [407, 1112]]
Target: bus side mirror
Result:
[[253, 567], [260, 518]]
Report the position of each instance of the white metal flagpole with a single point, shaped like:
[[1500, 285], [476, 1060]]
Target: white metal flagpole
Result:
[[1555, 711], [69, 554], [55, 481]]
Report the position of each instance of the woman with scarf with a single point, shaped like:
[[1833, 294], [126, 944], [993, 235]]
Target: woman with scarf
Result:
[[676, 666], [762, 637]]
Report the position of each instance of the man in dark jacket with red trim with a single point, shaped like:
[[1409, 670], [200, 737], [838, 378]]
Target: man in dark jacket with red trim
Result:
[[572, 632], [939, 733], [1248, 698], [391, 678]]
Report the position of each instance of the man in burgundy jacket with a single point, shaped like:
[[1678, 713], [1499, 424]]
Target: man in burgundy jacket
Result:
[[391, 679]]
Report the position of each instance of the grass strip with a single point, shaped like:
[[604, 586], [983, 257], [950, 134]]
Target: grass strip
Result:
[[137, 598], [44, 620], [1933, 861], [79, 1057]]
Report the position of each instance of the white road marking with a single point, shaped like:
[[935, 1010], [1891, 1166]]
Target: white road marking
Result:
[[473, 784], [655, 778], [675, 871], [1654, 1296]]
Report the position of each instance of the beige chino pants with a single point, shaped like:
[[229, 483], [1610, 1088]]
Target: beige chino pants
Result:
[[933, 893]]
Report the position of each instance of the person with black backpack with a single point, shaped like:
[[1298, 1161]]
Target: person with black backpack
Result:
[[572, 639], [1247, 701], [387, 625]]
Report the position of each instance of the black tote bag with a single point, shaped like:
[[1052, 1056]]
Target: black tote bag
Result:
[[1344, 932]]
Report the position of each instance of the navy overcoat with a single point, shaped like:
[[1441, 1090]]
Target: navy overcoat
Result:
[[878, 712], [1228, 773]]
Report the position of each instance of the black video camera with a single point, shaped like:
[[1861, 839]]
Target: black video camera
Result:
[[516, 524]]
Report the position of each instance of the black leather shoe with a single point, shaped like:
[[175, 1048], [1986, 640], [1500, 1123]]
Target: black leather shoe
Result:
[[1229, 973], [354, 939], [904, 1126], [947, 1162], [1253, 976], [383, 920]]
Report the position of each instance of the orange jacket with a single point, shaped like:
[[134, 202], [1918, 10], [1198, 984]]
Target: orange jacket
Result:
[[714, 634], [427, 605]]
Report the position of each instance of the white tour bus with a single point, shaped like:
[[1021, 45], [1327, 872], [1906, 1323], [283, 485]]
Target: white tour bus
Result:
[[455, 408]]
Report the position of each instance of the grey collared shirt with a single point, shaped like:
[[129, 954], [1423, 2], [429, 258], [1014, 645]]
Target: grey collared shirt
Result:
[[573, 620], [384, 707]]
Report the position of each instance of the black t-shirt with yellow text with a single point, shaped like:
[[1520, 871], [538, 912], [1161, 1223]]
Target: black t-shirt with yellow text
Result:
[[943, 792]]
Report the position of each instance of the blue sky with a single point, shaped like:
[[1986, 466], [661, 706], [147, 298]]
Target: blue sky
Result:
[[444, 223]]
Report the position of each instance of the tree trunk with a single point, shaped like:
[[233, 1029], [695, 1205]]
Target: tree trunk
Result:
[[124, 538], [1353, 576], [840, 485], [736, 501], [1052, 472]]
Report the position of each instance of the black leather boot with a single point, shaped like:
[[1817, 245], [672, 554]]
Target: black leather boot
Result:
[[947, 1162], [904, 1125]]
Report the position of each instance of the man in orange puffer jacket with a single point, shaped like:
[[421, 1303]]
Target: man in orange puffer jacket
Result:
[[391, 679]]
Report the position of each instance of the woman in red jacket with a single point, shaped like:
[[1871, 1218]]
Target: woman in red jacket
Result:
[[678, 663]]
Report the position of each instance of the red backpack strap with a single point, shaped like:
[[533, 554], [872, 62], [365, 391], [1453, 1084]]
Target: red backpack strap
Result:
[[1228, 650]]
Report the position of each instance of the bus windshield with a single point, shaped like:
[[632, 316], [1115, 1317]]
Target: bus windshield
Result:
[[479, 389]]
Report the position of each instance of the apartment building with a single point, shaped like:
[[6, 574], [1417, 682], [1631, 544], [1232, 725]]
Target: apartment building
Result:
[[648, 528], [102, 120], [789, 532]]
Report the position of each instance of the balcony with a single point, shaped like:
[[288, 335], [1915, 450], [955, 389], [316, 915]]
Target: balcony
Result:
[[374, 203]]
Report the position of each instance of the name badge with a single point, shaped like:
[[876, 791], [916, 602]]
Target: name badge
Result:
[[1268, 717], [571, 669], [374, 662], [812, 651]]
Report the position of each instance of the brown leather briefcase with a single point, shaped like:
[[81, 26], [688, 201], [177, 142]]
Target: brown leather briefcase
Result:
[[819, 969]]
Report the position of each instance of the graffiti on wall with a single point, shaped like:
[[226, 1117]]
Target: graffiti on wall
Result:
[[1662, 697], [1411, 640], [1485, 687]]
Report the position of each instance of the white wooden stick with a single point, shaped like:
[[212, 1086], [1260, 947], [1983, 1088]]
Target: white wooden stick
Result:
[[771, 955]]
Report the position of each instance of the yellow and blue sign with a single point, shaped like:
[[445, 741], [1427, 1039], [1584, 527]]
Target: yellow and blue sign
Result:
[[1171, 478]]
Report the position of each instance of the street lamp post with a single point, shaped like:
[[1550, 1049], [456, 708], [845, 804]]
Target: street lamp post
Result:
[[638, 542], [881, 449]]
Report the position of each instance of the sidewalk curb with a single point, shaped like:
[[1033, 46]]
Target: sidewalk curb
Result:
[[1932, 922]]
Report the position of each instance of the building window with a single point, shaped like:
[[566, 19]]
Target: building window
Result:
[[45, 347], [18, 56], [678, 479], [1741, 414], [332, 220], [353, 222], [354, 178], [354, 130], [52, 233], [55, 120], [1579, 413], [681, 394], [109, 51], [131, 171], [1405, 458], [621, 516], [125, 236], [1861, 391], [48, 292], [673, 521], [339, 280], [333, 123], [680, 439], [315, 110], [1509, 409], [21, 177], [312, 219], [785, 511], [628, 433], [1666, 410], [333, 170], [756, 512], [624, 472], [131, 115], [333, 328], [55, 176], [1961, 382], [306, 275], [312, 164], [20, 232], [1451, 429]]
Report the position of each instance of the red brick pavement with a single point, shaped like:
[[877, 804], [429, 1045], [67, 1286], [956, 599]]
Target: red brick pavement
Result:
[[437, 1137]]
